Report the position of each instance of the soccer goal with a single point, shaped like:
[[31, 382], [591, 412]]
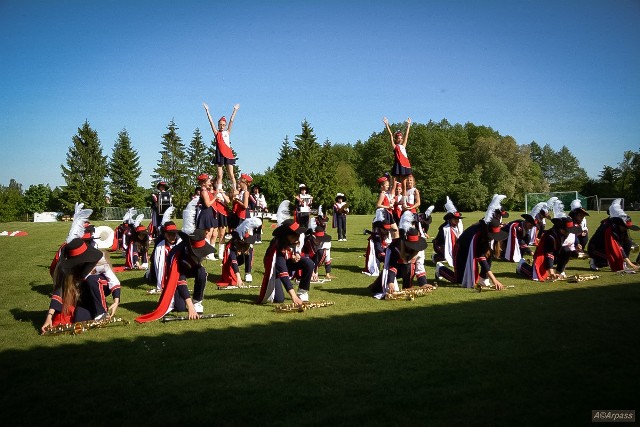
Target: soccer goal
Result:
[[116, 214], [605, 202], [566, 197]]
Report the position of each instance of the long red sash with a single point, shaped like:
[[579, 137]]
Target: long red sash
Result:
[[612, 249], [225, 150], [165, 298]]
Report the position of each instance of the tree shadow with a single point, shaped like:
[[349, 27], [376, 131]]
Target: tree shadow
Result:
[[42, 288], [36, 318]]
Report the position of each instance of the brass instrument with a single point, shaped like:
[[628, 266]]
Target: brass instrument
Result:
[[237, 287], [408, 294], [166, 319], [80, 327], [292, 308], [575, 278], [479, 288]]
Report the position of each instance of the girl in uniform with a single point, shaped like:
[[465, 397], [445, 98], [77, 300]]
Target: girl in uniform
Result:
[[224, 155]]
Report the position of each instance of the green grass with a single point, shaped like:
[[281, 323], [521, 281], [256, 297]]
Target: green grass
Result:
[[537, 354]]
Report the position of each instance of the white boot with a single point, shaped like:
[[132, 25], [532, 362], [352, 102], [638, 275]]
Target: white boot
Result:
[[303, 295], [248, 278], [221, 250]]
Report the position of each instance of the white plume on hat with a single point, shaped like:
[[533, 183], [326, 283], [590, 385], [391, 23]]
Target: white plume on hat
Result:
[[320, 214], [247, 226], [550, 202], [406, 221], [138, 220], [380, 215], [576, 204], [495, 204], [558, 209], [616, 211], [429, 210], [537, 208], [312, 224], [129, 215], [283, 212], [166, 216], [189, 216], [449, 206], [80, 217]]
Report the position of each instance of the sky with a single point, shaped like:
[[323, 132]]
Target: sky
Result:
[[563, 73]]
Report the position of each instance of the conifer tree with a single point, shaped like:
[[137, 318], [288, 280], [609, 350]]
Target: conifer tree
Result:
[[198, 159], [124, 172], [85, 172], [172, 167]]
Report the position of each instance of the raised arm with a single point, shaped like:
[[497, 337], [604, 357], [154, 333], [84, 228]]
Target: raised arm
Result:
[[386, 123], [406, 135], [213, 126], [233, 115]]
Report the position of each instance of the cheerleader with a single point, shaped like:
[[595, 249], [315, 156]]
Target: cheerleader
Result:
[[184, 261], [611, 243], [385, 201], [224, 155], [79, 292], [303, 206], [205, 219], [473, 250], [281, 258], [379, 239], [239, 251], [222, 213], [411, 196], [240, 207], [340, 211], [401, 165], [448, 232]]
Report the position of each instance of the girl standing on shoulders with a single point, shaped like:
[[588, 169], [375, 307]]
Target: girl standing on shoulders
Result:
[[401, 165]]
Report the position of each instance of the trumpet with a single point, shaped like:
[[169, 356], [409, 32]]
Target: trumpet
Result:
[[292, 308], [80, 327], [166, 319], [576, 278], [408, 294]]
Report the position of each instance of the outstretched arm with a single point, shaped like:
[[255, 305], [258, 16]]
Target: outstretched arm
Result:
[[233, 115], [406, 135], [213, 126], [386, 123]]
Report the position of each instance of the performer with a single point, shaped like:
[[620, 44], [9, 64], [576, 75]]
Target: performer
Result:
[[279, 260], [518, 235], [303, 206], [317, 247], [379, 239], [473, 251], [398, 203], [156, 274], [206, 219], [411, 195], [401, 165], [611, 243], [400, 258], [448, 233], [224, 155], [79, 293], [257, 208], [240, 208], [222, 212], [138, 249], [239, 251], [550, 252], [184, 261], [340, 211], [385, 201], [161, 201], [579, 216]]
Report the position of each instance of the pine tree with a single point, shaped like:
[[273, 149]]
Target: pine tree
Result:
[[124, 172], [173, 168], [285, 173], [85, 172], [198, 158]]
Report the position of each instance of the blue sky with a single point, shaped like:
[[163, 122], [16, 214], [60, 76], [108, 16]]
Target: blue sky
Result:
[[557, 72]]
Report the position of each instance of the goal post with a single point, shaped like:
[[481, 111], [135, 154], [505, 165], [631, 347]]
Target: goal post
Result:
[[605, 202], [566, 197]]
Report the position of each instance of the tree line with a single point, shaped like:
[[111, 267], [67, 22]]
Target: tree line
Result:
[[466, 162]]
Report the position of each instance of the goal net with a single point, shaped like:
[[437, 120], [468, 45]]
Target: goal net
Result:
[[605, 202], [116, 214], [566, 197]]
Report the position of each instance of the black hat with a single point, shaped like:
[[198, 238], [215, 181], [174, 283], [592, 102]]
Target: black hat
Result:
[[163, 183], [247, 238], [567, 224], [529, 219], [425, 219], [320, 235], [625, 222], [289, 227], [495, 230], [341, 196], [414, 241], [451, 215], [199, 245], [579, 210], [77, 252]]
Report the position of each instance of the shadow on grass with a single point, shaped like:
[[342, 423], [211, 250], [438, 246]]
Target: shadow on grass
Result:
[[42, 288], [500, 359]]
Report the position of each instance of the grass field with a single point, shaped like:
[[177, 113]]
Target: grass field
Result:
[[536, 354]]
